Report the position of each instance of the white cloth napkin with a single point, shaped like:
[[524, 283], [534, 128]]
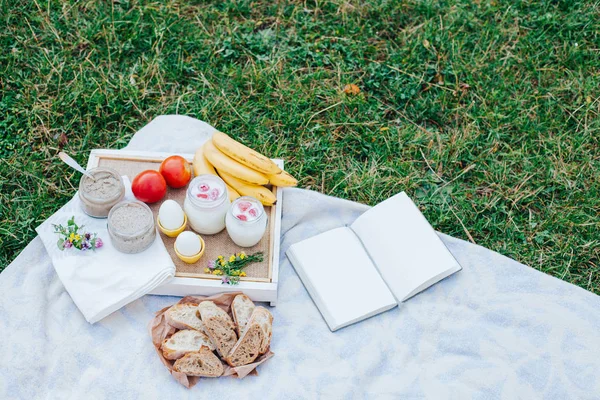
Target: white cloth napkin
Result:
[[102, 281]]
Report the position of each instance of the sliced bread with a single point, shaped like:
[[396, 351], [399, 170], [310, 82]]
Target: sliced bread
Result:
[[200, 363], [247, 349], [264, 319], [184, 316], [254, 341], [241, 309], [185, 341], [218, 326]]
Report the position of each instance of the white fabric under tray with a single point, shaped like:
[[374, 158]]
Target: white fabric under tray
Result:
[[495, 330]]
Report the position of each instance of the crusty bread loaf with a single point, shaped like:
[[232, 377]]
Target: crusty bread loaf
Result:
[[255, 340], [185, 341], [184, 316], [200, 363], [218, 326], [264, 319], [241, 309]]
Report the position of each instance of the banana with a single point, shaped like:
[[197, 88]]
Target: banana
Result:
[[282, 179], [244, 154], [261, 193], [223, 163], [233, 194], [201, 165]]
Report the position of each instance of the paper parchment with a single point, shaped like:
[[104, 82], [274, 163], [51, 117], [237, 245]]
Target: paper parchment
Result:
[[160, 330]]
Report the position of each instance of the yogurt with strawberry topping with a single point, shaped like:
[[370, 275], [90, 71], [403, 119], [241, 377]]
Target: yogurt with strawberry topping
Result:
[[246, 221], [206, 204]]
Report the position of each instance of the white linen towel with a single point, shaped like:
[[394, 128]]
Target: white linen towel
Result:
[[100, 282]]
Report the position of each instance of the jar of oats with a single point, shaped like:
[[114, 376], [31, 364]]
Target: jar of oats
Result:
[[131, 226], [100, 195]]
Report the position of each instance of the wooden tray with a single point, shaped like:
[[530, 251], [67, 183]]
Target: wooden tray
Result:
[[261, 281]]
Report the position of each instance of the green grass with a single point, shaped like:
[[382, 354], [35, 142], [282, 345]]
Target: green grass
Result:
[[485, 112]]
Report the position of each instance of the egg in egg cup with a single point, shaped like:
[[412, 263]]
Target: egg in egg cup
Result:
[[172, 232], [195, 257]]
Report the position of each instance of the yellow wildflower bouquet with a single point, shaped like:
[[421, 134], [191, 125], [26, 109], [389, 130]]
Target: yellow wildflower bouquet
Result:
[[231, 269]]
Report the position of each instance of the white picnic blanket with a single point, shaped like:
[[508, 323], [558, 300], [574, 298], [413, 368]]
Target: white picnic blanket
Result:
[[495, 330]]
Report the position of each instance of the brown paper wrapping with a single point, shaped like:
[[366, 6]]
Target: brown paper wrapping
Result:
[[160, 330]]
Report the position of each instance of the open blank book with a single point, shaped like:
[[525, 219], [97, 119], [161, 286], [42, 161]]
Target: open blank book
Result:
[[389, 254]]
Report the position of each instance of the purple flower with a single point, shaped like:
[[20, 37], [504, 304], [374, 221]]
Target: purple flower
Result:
[[225, 279], [85, 245], [67, 244], [99, 243], [211, 264], [87, 236]]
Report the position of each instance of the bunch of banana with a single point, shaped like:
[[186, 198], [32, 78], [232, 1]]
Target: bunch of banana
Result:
[[244, 170]]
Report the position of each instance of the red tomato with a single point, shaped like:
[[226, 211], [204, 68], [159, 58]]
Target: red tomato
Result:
[[149, 186], [176, 171]]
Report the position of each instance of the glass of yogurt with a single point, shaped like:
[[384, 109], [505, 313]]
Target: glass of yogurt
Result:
[[246, 221], [100, 195], [131, 226], [206, 204]]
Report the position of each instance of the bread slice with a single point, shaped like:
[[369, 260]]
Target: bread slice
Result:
[[184, 316], [241, 309], [183, 342], [247, 349], [218, 326], [264, 319], [255, 340], [200, 363]]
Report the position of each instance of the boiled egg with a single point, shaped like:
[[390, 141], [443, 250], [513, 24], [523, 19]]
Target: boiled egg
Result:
[[188, 244], [170, 215]]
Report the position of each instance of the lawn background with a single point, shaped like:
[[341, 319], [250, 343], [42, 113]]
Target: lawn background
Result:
[[485, 112]]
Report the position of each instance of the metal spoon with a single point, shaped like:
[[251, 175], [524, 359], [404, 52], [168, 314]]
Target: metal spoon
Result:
[[73, 164]]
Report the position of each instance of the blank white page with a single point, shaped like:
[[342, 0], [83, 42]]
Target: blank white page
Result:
[[404, 247], [340, 277]]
